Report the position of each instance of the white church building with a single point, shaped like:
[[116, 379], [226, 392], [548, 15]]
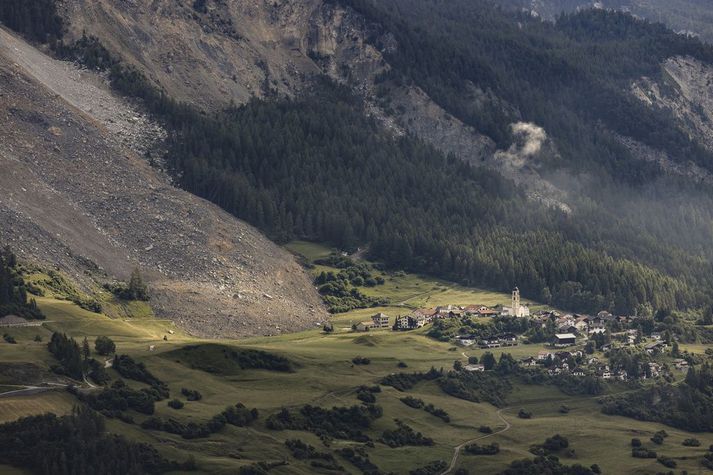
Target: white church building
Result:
[[516, 309]]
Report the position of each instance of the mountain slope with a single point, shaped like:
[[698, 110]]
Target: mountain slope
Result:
[[686, 16], [75, 197]]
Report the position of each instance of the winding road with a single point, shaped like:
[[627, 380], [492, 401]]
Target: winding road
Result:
[[457, 450]]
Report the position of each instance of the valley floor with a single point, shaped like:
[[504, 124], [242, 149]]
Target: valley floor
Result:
[[327, 377]]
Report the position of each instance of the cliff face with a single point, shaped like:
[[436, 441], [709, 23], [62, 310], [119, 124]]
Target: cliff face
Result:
[[76, 196]]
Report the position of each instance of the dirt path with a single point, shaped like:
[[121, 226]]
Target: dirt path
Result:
[[28, 391], [456, 452]]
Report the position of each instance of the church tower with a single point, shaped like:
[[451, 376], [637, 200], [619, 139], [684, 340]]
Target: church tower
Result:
[[515, 308]]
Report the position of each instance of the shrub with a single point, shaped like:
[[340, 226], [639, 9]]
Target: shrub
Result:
[[404, 435], [104, 345], [431, 468], [438, 412], [361, 360], [191, 394], [643, 453], [402, 364], [523, 414], [412, 402], [9, 338], [485, 429], [555, 443], [366, 394], [667, 462], [636, 442], [175, 404], [476, 449], [692, 443]]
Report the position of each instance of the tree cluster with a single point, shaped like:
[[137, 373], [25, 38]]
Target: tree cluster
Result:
[[77, 443], [13, 291]]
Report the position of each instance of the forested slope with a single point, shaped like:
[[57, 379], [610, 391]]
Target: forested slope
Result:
[[317, 166]]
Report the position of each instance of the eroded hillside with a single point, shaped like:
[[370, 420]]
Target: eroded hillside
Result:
[[76, 197]]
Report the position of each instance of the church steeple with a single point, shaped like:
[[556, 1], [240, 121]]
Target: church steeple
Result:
[[515, 304]]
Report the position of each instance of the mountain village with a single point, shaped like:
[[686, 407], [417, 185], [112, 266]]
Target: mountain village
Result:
[[579, 345]]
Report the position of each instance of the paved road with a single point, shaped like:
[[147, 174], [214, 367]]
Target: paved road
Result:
[[457, 450]]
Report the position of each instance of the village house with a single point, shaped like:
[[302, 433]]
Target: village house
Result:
[[410, 322], [680, 364], [528, 362], [474, 367], [427, 314], [564, 339], [504, 339], [380, 320], [579, 372], [655, 348], [364, 326], [508, 339], [604, 373], [654, 369], [544, 355], [466, 340], [567, 329], [581, 325], [490, 342]]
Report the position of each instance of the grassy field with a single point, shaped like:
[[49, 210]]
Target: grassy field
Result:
[[404, 291], [325, 376]]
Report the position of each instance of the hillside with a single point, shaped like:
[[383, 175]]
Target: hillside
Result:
[[686, 16], [80, 196], [321, 374]]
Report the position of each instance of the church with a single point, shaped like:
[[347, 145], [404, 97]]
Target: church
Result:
[[516, 309]]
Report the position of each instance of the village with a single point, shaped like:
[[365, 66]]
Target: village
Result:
[[604, 346]]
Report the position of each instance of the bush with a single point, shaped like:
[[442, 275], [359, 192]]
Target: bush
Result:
[[359, 458], [555, 443], [692, 443], [412, 402], [361, 360], [402, 364], [104, 345], [667, 462], [191, 394], [175, 404], [431, 468], [636, 442], [658, 438], [476, 449], [404, 435], [523, 414], [9, 338], [643, 453], [438, 412], [485, 429], [338, 422]]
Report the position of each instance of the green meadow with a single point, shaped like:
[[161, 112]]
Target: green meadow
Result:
[[325, 376]]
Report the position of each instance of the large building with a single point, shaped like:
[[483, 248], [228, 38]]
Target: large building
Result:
[[380, 320], [516, 309], [564, 339]]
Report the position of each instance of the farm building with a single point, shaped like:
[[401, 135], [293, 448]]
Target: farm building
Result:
[[564, 339]]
